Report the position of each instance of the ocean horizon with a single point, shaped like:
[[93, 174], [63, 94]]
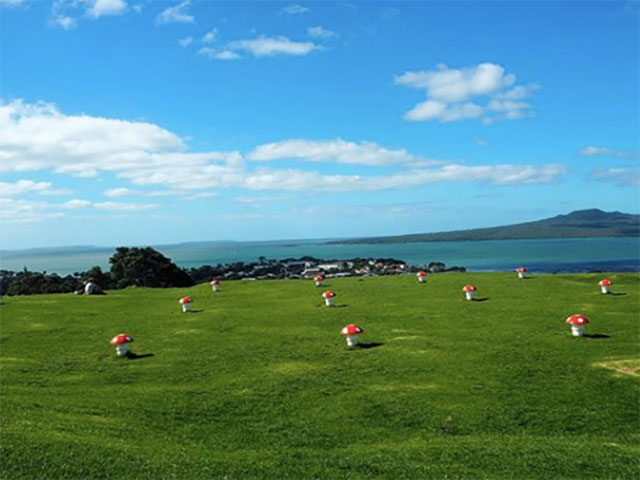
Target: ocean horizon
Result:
[[555, 255]]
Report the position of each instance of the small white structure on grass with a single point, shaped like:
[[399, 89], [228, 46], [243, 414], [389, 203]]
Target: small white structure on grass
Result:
[[351, 333], [186, 303], [318, 279], [605, 283], [469, 291], [521, 271], [215, 284], [122, 342], [328, 298], [421, 276], [577, 323]]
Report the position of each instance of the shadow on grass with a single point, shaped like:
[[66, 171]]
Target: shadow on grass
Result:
[[527, 278], [596, 335], [617, 294], [135, 356], [344, 305], [486, 299], [194, 311], [365, 346]]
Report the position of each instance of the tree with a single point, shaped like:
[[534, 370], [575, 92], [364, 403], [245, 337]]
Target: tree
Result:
[[146, 267]]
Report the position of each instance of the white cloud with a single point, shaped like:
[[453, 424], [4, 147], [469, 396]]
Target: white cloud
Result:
[[210, 36], [621, 176], [138, 7], [21, 187], [66, 23], [337, 150], [22, 211], [37, 137], [175, 14], [449, 92], [320, 32], [186, 41], [218, 54], [592, 151], [111, 206], [263, 46], [100, 8], [294, 9], [12, 3]]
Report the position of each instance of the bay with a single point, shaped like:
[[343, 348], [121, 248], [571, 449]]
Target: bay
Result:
[[538, 255]]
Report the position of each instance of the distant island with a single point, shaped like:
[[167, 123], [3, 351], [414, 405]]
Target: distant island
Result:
[[581, 223]]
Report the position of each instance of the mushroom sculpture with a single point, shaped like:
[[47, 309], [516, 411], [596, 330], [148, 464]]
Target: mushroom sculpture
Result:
[[318, 279], [122, 342], [421, 276], [469, 291], [577, 323], [328, 298], [215, 284], [186, 303], [521, 271], [605, 283], [351, 333]]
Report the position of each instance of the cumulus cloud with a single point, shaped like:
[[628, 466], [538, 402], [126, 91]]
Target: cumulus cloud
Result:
[[216, 54], [112, 206], [8, 189], [484, 91], [38, 137], [210, 36], [263, 46], [338, 150], [294, 9], [176, 14], [320, 32], [22, 211], [186, 41], [101, 8], [592, 151], [621, 176]]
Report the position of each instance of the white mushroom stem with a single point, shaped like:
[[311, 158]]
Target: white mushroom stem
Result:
[[577, 330], [520, 274], [352, 340], [470, 295], [318, 283], [421, 279], [604, 289], [328, 301], [186, 307], [215, 287], [122, 350]]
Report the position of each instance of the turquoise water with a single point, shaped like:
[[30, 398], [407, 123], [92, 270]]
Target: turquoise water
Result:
[[549, 255]]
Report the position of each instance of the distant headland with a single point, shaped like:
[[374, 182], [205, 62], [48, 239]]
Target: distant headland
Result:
[[577, 224]]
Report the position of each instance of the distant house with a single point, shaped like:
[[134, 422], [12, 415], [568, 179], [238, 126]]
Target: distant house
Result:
[[311, 272]]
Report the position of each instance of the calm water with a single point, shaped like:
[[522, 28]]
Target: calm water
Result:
[[550, 255]]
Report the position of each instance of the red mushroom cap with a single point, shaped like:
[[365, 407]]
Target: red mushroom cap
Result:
[[469, 288], [422, 273], [215, 281], [605, 282], [186, 300], [328, 294], [351, 330], [577, 319], [121, 339], [319, 278], [521, 269]]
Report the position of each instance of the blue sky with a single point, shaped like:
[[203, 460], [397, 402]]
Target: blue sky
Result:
[[126, 122]]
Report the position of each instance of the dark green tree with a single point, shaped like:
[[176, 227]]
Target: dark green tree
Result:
[[146, 267]]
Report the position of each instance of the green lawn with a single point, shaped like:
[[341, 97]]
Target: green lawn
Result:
[[258, 383]]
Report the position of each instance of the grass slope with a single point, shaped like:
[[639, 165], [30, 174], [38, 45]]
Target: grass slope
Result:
[[257, 383]]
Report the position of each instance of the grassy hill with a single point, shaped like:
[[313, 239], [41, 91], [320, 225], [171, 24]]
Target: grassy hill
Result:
[[581, 223], [257, 382]]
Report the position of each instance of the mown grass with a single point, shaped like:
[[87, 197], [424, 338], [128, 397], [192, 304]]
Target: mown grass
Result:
[[257, 383]]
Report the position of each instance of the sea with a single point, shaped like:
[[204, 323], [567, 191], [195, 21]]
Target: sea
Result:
[[556, 255]]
